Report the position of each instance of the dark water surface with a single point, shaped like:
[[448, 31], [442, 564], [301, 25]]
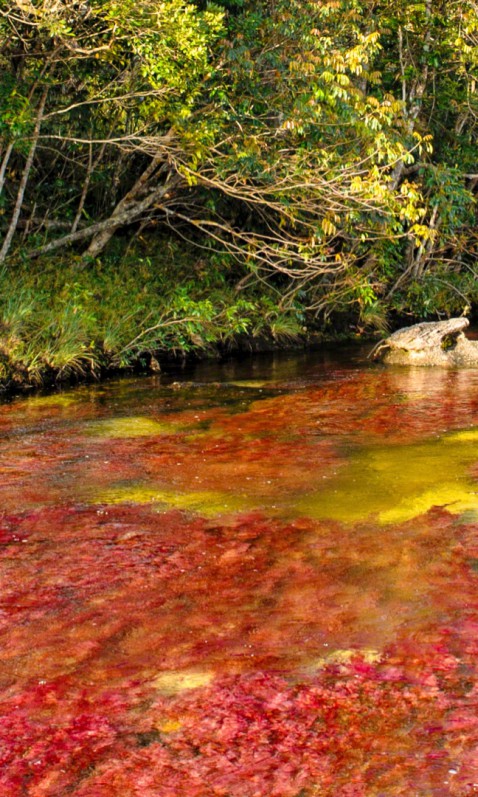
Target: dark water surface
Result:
[[249, 579]]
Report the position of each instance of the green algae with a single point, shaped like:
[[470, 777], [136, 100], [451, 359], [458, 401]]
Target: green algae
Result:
[[63, 400], [396, 483], [132, 426], [207, 503]]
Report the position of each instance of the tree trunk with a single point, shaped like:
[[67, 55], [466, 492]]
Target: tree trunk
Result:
[[23, 183], [126, 205], [129, 215], [3, 167]]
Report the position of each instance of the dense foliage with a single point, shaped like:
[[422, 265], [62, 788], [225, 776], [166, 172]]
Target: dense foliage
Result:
[[62, 322], [326, 151]]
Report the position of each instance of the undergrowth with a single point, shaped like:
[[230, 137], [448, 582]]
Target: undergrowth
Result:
[[61, 320]]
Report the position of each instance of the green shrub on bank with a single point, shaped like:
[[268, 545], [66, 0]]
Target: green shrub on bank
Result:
[[61, 320]]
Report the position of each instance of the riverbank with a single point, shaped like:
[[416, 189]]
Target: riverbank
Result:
[[65, 321], [62, 321]]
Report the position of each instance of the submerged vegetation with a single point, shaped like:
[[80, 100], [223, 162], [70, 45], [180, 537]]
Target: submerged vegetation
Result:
[[320, 155], [179, 619]]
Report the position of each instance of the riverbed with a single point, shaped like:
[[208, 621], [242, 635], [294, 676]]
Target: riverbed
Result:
[[255, 578]]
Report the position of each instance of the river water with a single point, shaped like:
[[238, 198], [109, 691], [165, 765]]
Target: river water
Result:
[[250, 579]]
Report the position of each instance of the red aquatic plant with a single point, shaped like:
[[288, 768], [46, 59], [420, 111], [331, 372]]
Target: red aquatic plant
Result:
[[335, 659], [124, 593], [351, 730]]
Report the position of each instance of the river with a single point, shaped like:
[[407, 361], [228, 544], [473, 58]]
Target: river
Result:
[[256, 578]]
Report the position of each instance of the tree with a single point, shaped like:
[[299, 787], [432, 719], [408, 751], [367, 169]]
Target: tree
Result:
[[432, 64], [328, 147], [87, 86]]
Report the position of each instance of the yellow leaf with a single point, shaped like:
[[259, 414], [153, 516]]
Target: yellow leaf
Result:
[[328, 227]]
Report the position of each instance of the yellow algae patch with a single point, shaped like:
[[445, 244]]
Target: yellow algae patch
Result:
[[53, 400], [208, 504], [344, 656], [168, 726], [250, 383], [396, 483], [465, 436], [175, 681], [369, 655], [133, 426], [454, 496]]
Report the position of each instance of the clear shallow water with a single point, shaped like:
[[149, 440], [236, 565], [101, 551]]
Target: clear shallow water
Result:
[[256, 579]]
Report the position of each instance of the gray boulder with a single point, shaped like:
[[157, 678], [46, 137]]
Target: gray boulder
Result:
[[440, 343]]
